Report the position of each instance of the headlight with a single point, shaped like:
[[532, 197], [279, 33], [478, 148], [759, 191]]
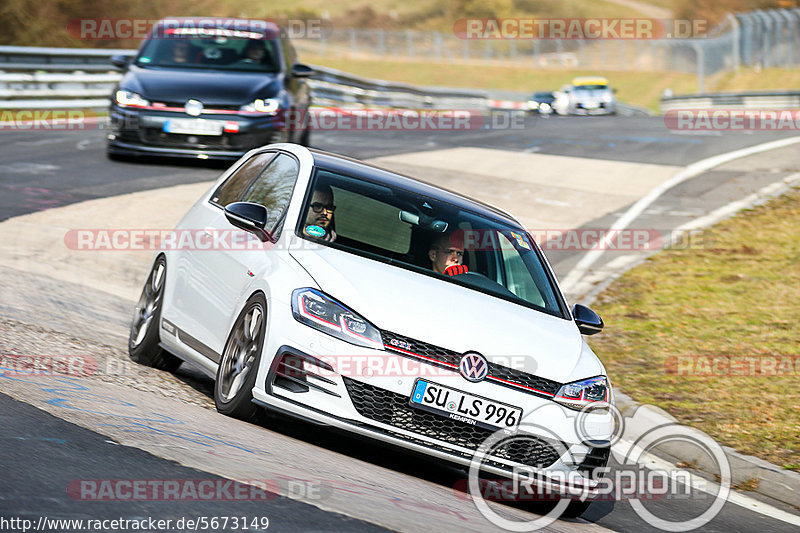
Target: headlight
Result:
[[607, 98], [544, 106], [321, 312], [130, 99], [533, 104], [579, 394], [268, 106]]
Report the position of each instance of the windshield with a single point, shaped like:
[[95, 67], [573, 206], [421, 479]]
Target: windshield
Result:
[[591, 87], [429, 236], [211, 50]]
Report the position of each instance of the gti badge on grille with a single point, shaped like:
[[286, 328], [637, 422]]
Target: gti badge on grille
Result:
[[473, 366]]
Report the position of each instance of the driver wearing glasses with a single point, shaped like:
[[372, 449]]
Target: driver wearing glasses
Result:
[[319, 222]]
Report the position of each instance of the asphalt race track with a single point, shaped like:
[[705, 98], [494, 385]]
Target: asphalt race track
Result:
[[126, 422]]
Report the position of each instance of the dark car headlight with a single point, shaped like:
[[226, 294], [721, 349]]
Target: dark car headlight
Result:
[[321, 312], [265, 106], [580, 394], [125, 98]]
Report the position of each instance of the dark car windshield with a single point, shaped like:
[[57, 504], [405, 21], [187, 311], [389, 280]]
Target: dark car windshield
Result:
[[591, 87], [212, 50], [412, 231]]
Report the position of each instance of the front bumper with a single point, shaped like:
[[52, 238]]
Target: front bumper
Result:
[[375, 404], [139, 132]]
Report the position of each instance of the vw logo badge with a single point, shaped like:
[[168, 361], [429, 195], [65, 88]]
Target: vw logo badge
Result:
[[194, 108], [473, 366]]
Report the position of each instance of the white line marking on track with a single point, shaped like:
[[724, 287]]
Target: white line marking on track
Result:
[[579, 271], [709, 487]]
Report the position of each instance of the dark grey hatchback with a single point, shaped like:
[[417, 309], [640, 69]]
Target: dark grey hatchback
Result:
[[209, 89]]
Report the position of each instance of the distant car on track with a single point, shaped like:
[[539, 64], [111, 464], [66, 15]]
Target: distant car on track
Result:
[[281, 321], [541, 102], [199, 90], [588, 95]]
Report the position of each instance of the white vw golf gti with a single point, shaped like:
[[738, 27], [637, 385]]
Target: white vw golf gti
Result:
[[325, 288]]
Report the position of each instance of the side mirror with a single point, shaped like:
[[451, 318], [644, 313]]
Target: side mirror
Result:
[[302, 71], [587, 320], [249, 217], [121, 61]]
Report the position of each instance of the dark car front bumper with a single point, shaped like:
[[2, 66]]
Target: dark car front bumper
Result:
[[138, 132]]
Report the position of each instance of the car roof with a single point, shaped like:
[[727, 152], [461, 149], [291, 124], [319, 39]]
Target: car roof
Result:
[[590, 80], [360, 169]]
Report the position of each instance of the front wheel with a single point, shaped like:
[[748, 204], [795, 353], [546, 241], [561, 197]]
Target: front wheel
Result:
[[236, 375], [143, 342]]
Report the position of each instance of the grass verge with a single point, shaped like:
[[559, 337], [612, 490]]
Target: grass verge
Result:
[[711, 334]]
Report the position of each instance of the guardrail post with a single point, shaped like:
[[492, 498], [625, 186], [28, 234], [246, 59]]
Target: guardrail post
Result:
[[382, 42], [736, 33], [698, 48]]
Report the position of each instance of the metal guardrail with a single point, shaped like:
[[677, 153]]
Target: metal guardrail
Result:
[[766, 100], [34, 78]]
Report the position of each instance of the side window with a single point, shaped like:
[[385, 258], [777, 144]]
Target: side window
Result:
[[518, 277], [384, 228], [236, 185], [273, 188]]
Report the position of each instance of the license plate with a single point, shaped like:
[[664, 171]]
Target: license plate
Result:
[[475, 410], [193, 126]]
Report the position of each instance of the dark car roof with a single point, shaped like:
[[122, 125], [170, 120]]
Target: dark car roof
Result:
[[268, 28], [359, 169]]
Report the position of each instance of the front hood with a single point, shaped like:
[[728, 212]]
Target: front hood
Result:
[[451, 316], [209, 86]]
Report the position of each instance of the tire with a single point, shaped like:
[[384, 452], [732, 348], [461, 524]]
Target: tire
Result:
[[144, 336], [236, 375]]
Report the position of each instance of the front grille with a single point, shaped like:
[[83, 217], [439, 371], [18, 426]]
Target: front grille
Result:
[[207, 108], [393, 409], [502, 375]]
